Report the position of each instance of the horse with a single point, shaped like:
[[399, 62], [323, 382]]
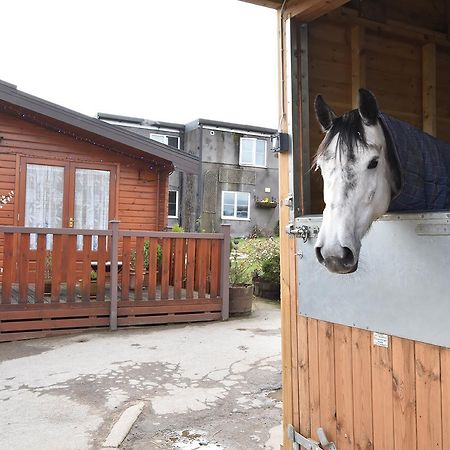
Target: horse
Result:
[[371, 163]]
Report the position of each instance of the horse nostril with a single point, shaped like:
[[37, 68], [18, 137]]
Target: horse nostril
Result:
[[348, 258], [319, 255]]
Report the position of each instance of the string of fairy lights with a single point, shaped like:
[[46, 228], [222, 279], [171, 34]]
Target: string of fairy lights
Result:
[[5, 199], [150, 163]]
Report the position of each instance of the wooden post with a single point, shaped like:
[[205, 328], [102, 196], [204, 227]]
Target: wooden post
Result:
[[358, 62], [285, 215], [429, 88], [299, 113], [225, 275], [114, 274]]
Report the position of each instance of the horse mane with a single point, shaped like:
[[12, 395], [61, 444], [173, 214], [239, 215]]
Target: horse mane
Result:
[[350, 131]]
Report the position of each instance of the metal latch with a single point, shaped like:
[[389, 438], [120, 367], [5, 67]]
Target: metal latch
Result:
[[304, 231], [301, 441]]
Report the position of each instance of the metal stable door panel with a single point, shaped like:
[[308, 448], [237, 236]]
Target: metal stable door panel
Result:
[[402, 285]]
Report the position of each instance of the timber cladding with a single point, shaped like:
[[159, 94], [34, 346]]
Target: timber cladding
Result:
[[366, 396], [363, 395], [140, 190]]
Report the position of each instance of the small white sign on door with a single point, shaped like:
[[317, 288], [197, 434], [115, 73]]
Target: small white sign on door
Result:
[[380, 339]]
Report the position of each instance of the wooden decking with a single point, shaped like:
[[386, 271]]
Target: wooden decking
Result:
[[31, 294], [184, 279]]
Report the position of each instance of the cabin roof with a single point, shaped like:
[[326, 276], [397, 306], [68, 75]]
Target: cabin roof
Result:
[[94, 130]]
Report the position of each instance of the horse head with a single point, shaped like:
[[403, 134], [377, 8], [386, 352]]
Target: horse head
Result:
[[357, 180]]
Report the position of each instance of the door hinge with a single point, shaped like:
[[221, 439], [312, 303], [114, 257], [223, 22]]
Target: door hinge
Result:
[[309, 444], [289, 200]]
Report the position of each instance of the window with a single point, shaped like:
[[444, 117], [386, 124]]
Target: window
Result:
[[253, 152], [235, 205], [173, 204], [173, 141], [66, 195], [44, 195], [91, 202]]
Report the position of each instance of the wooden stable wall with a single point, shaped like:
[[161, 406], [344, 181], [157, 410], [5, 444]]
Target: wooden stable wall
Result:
[[408, 74], [364, 396]]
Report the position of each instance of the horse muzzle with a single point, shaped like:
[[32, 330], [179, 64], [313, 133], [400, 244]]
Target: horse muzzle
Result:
[[342, 264]]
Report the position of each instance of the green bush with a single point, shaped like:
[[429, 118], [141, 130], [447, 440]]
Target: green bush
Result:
[[177, 228], [240, 274], [271, 269], [146, 256]]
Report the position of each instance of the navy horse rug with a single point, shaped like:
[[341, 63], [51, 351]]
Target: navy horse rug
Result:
[[423, 164]]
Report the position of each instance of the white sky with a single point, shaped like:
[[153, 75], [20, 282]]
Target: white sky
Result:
[[169, 60]]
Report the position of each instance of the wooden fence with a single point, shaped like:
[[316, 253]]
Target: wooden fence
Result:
[[55, 281]]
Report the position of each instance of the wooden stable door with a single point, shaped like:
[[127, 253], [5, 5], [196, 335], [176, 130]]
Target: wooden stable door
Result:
[[66, 194]]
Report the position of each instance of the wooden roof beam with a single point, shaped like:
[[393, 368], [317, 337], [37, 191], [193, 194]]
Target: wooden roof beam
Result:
[[309, 10]]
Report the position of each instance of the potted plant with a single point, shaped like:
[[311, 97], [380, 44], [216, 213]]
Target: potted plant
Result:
[[240, 290], [48, 275], [266, 281], [92, 284], [146, 252], [266, 202]]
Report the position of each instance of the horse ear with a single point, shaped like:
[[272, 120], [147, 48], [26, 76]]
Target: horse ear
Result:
[[325, 115], [368, 108]]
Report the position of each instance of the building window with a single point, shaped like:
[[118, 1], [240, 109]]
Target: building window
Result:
[[236, 205], [173, 204], [173, 141], [252, 152]]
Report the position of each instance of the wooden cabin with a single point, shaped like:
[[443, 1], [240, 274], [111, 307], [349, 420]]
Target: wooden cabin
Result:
[[70, 170], [88, 210], [363, 393]]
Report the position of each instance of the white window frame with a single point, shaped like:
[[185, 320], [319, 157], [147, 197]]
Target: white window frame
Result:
[[176, 204], [253, 163], [234, 216], [166, 138]]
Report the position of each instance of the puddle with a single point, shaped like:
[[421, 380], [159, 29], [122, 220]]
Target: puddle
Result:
[[276, 395], [193, 440]]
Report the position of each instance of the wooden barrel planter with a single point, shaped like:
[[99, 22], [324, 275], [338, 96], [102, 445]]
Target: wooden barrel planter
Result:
[[241, 299]]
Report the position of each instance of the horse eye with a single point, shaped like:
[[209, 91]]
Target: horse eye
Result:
[[373, 163]]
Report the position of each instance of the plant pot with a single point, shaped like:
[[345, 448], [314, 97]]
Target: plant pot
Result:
[[92, 288], [48, 287], [241, 299], [132, 285], [266, 289]]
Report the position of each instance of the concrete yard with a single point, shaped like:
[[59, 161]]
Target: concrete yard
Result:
[[214, 386]]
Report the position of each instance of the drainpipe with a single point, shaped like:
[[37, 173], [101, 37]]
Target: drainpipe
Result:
[[180, 188], [200, 176], [158, 200]]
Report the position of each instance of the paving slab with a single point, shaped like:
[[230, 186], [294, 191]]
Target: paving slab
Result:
[[214, 386]]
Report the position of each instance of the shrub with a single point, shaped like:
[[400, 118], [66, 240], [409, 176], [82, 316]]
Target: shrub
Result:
[[146, 256], [271, 269], [177, 228], [239, 268], [267, 259]]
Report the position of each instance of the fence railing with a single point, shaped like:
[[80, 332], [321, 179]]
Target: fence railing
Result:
[[125, 268]]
